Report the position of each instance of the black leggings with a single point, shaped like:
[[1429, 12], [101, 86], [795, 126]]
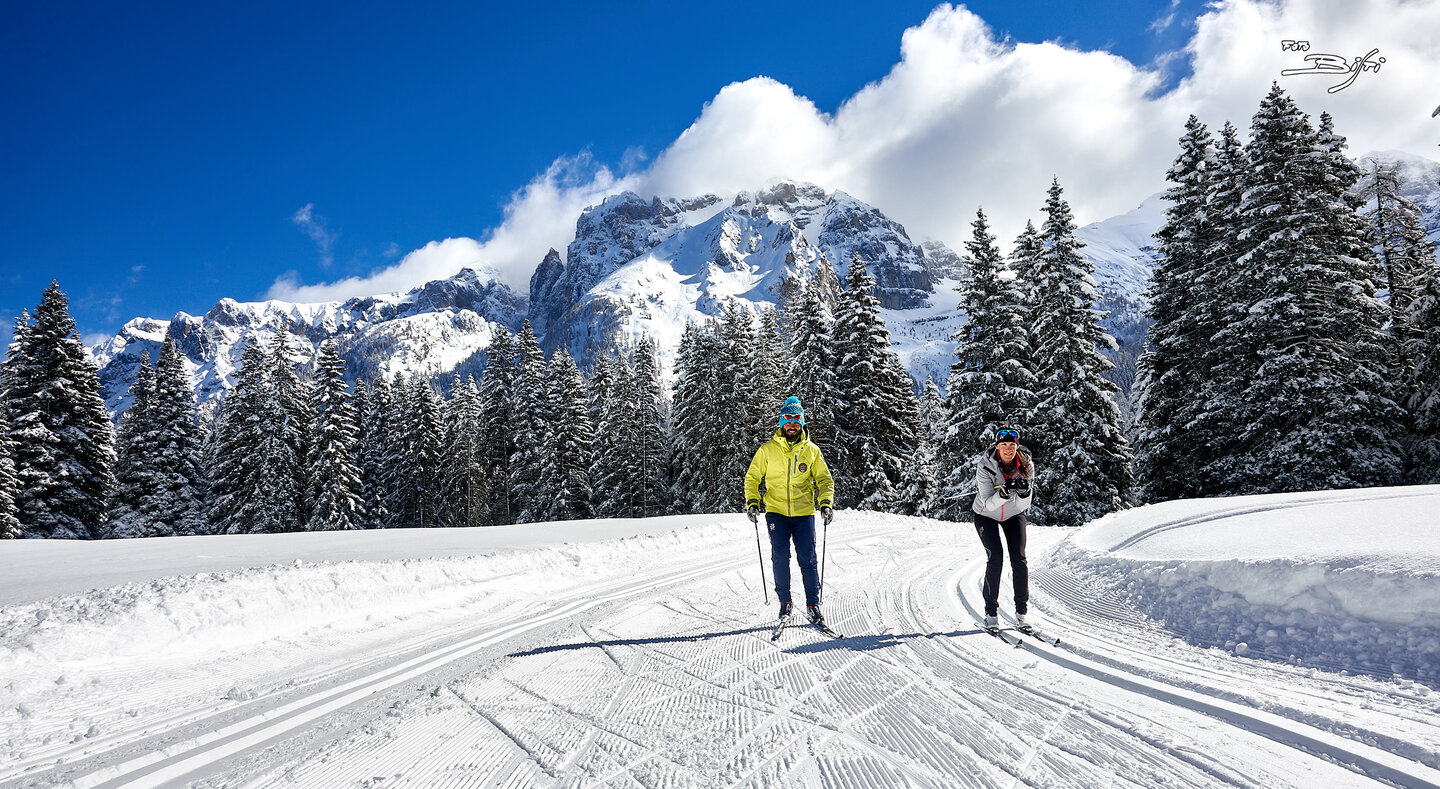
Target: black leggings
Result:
[[989, 530]]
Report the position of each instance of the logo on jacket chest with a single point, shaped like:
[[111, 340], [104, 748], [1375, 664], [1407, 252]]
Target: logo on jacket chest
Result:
[[802, 468]]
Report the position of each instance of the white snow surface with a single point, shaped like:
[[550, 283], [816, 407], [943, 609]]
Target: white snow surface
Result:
[[638, 653]]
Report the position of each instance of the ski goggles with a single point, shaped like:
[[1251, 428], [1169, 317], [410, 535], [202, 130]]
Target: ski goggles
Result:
[[792, 418], [1002, 436]]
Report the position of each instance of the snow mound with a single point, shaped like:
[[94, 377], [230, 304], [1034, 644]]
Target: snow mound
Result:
[[1337, 580]]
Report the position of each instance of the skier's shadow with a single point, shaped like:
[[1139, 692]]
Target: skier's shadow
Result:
[[870, 643], [632, 642]]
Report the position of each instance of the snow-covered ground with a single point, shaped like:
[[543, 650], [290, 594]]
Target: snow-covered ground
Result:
[[1265, 641]]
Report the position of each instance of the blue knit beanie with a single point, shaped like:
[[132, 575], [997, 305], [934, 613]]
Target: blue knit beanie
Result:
[[792, 406]]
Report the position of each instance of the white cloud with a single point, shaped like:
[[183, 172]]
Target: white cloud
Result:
[[538, 216], [965, 119], [314, 227]]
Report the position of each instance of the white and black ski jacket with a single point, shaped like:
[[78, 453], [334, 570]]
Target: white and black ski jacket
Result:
[[988, 476]]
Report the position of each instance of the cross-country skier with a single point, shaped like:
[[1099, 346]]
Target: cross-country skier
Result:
[[1002, 494], [796, 481]]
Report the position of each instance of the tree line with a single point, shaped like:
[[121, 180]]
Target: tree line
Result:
[[1295, 345]]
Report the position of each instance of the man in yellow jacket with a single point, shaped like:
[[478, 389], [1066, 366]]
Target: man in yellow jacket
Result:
[[796, 481]]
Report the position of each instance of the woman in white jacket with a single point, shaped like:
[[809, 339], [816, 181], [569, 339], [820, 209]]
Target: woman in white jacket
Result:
[[1002, 494]]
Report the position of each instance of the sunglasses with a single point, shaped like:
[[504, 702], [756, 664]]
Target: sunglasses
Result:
[[791, 417], [1013, 435]]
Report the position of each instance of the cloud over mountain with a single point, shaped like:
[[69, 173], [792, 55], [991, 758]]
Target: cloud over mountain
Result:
[[966, 119]]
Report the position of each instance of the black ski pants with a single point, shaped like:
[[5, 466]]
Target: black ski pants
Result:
[[990, 530]]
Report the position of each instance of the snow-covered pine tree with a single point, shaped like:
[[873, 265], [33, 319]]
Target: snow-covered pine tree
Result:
[[293, 396], [1319, 397], [566, 477], [134, 462], [1405, 256], [616, 448], [932, 411], [1423, 444], [916, 492], [180, 458], [772, 374], [992, 380], [1081, 453], [498, 431], [333, 497], [466, 477], [877, 418], [696, 459], [60, 431], [813, 360], [1170, 376], [532, 429], [1023, 260], [417, 436], [372, 451], [738, 404], [599, 387], [252, 460], [1221, 296], [9, 485], [650, 414]]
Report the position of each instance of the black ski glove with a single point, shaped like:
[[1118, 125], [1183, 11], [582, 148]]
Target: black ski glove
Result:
[[1002, 492], [752, 511], [827, 514], [1020, 486]]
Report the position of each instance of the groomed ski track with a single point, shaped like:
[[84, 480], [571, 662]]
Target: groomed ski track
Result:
[[670, 679]]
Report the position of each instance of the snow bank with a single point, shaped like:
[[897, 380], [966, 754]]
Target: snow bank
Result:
[[208, 614], [1339, 580]]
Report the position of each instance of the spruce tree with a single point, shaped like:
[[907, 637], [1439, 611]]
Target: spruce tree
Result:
[[771, 374], [135, 463], [333, 498], [876, 421], [1405, 257], [293, 397], [416, 439], [1221, 296], [1423, 445], [1170, 374], [499, 429], [1318, 392], [466, 477], [180, 456], [651, 429], [60, 430], [567, 474], [251, 458], [616, 448], [1082, 456], [992, 380], [813, 360], [9, 485], [738, 404], [696, 458], [374, 404], [532, 426]]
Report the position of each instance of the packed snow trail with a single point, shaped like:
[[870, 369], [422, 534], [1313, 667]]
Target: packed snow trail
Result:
[[661, 672]]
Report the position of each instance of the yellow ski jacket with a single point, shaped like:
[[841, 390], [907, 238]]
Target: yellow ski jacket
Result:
[[795, 476]]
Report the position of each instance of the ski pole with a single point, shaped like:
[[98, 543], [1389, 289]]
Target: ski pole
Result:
[[824, 549], [758, 552]]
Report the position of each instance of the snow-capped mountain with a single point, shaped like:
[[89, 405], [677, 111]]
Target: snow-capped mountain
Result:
[[652, 266], [434, 329]]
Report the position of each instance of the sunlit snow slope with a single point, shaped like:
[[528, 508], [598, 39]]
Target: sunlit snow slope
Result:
[[638, 653]]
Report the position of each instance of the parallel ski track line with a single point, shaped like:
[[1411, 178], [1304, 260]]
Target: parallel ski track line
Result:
[[1365, 759], [174, 762]]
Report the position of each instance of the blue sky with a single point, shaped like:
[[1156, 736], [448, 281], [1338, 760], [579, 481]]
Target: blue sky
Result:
[[158, 157]]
